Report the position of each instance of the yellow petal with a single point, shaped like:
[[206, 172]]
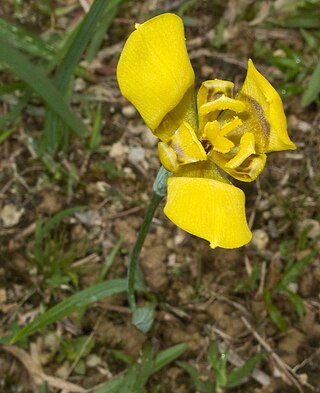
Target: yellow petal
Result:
[[209, 209], [246, 148], [249, 169], [187, 146], [168, 157], [264, 99], [218, 141], [154, 71]]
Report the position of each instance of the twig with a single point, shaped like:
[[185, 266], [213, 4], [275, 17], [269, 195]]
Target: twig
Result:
[[289, 373]]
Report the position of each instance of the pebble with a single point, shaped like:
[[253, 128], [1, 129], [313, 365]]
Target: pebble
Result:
[[10, 215], [129, 111], [93, 360], [90, 218], [260, 239], [118, 150], [278, 212], [136, 155], [63, 370], [313, 227]]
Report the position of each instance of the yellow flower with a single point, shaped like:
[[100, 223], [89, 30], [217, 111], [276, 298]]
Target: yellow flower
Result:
[[198, 136]]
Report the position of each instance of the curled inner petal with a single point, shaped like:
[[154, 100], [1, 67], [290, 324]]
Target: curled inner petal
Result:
[[182, 148]]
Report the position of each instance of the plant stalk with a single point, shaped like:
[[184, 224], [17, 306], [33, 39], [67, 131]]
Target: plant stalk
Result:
[[153, 204]]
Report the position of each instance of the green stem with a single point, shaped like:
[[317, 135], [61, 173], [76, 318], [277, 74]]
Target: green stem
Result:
[[154, 203]]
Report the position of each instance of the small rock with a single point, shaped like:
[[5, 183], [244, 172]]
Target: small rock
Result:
[[10, 215], [304, 126], [118, 151], [63, 370], [93, 360], [129, 111], [90, 218], [136, 155], [260, 239], [180, 237], [278, 211], [313, 227], [79, 85]]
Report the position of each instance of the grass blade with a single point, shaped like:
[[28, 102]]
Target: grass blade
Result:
[[54, 220], [168, 355], [53, 131], [274, 312], [26, 41], [73, 303], [108, 15], [237, 376], [38, 82], [313, 88]]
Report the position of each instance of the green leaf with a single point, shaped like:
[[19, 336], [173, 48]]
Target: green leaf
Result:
[[109, 260], [39, 83], [274, 313], [293, 271], [54, 133], [237, 376], [202, 386], [296, 301], [218, 362], [143, 318], [168, 355], [129, 380], [112, 386], [104, 23], [44, 229], [120, 355], [313, 88], [24, 40], [73, 303]]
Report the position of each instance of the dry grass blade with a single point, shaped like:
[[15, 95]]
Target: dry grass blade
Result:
[[36, 373]]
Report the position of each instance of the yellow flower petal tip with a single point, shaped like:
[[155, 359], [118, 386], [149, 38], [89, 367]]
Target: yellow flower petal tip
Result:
[[210, 209], [257, 89], [154, 71]]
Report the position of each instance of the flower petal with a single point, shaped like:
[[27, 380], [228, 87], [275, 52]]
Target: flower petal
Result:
[[261, 96], [208, 208], [154, 71]]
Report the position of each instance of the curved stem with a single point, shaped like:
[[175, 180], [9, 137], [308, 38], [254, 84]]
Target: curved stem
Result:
[[154, 203]]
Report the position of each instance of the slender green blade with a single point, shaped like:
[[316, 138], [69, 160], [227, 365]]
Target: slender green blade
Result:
[[168, 355], [313, 88], [54, 220], [112, 386], [274, 312], [54, 132], [109, 14], [39, 83], [237, 376], [293, 272], [26, 41], [80, 299], [67, 66]]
